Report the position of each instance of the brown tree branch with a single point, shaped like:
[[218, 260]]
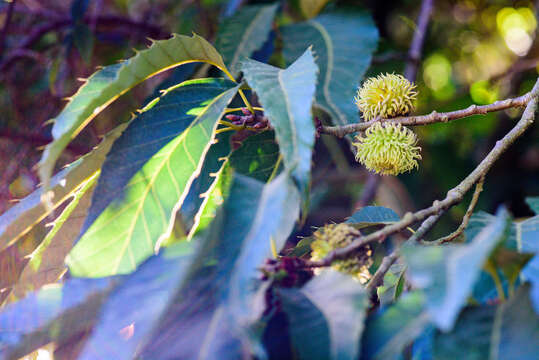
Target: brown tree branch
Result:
[[454, 195], [434, 117], [378, 277], [414, 54]]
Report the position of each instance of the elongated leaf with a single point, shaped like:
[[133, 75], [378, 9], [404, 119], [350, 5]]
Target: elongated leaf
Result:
[[217, 298], [109, 83], [287, 97], [343, 43], [133, 225], [326, 316], [18, 220], [165, 119], [243, 33], [137, 304], [46, 263], [391, 329], [51, 314], [447, 274], [527, 235], [373, 215]]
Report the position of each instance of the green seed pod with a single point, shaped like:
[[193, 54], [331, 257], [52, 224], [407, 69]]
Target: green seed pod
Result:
[[388, 149], [335, 236], [387, 96]]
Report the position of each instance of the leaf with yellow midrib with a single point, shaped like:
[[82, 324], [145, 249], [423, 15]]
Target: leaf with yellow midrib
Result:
[[106, 85], [132, 226]]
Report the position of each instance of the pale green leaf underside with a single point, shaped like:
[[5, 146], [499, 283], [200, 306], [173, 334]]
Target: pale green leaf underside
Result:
[[287, 97], [244, 33], [20, 219], [109, 83], [131, 228], [343, 44]]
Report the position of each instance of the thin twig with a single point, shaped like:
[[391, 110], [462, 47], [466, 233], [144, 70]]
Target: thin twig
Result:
[[434, 117], [454, 195], [378, 277], [465, 219], [414, 54], [425, 227]]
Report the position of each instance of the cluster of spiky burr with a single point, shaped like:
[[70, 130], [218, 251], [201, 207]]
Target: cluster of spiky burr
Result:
[[387, 148]]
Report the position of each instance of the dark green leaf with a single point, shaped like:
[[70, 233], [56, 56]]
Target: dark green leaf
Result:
[[448, 273], [243, 33], [390, 290], [531, 273], [343, 43], [373, 215], [83, 39], [470, 338], [219, 297], [287, 96], [135, 223], [326, 316], [257, 156], [138, 302], [391, 329]]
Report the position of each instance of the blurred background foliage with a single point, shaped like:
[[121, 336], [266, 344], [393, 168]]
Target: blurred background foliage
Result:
[[476, 52]]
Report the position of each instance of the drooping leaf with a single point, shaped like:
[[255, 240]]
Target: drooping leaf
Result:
[[533, 203], [391, 329], [135, 306], [343, 43], [218, 296], [46, 263], [106, 85], [18, 220], [244, 32], [373, 215], [52, 314], [392, 286], [447, 273], [326, 316], [133, 225], [287, 96], [311, 8]]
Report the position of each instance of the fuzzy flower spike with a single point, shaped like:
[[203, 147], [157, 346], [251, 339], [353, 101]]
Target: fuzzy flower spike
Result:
[[387, 96], [388, 149]]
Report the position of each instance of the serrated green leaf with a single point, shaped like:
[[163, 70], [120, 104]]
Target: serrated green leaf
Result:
[[17, 221], [133, 225], [343, 43], [447, 273], [106, 85], [219, 296], [391, 329], [326, 316], [257, 156], [46, 263], [373, 215], [243, 33], [287, 96]]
